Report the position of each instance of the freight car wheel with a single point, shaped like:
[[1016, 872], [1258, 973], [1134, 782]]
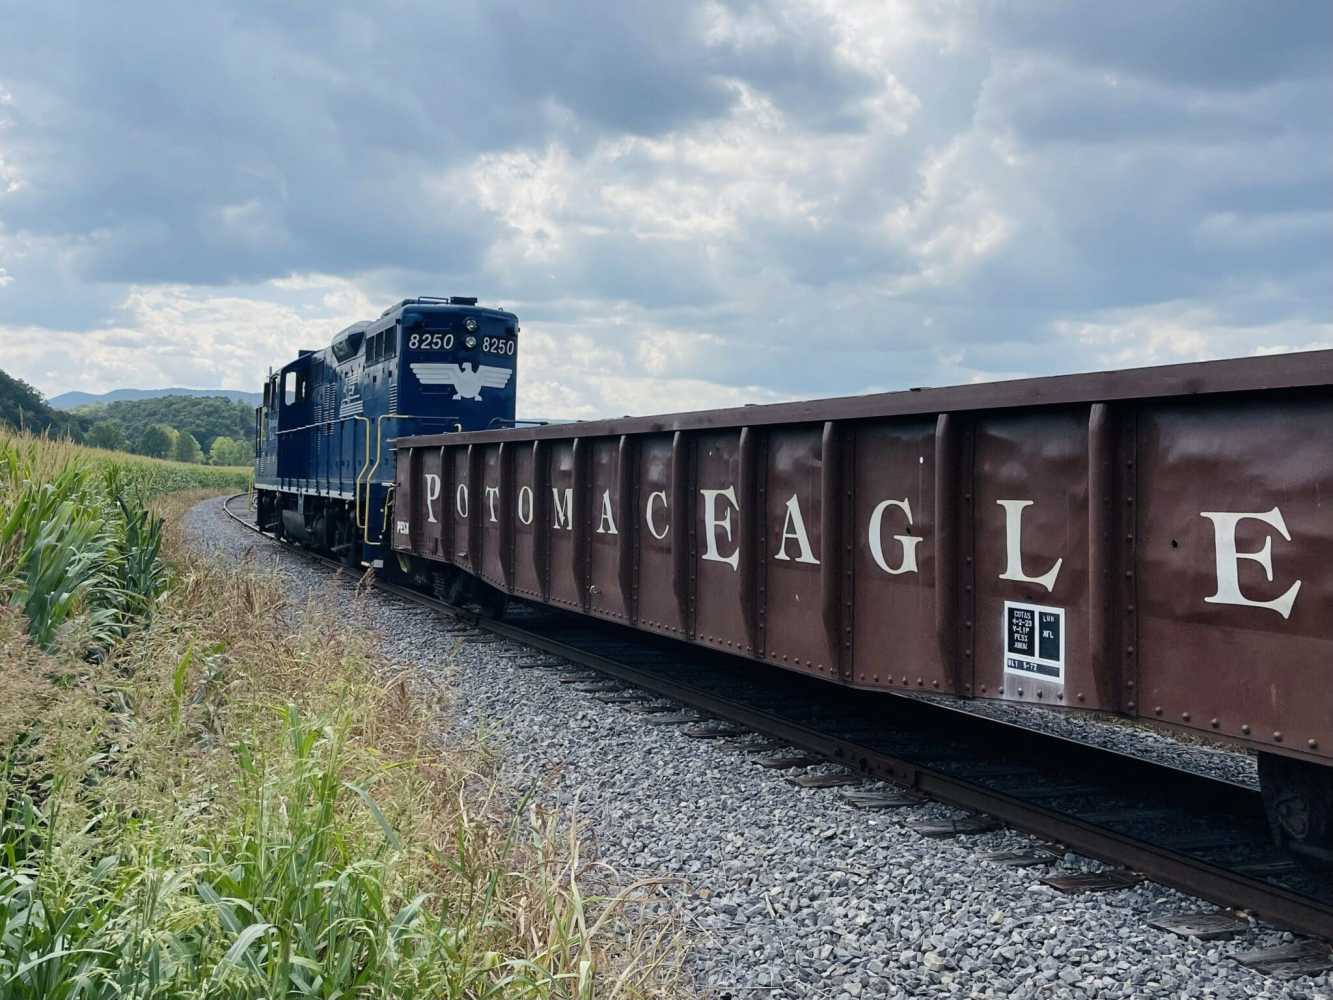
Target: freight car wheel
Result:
[[447, 584], [1298, 798], [490, 601], [455, 587]]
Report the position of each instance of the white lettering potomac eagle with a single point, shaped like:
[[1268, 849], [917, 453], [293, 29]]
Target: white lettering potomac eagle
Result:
[[468, 383]]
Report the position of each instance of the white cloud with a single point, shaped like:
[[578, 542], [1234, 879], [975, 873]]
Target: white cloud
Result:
[[175, 335], [527, 192], [1182, 331], [10, 179], [710, 204]]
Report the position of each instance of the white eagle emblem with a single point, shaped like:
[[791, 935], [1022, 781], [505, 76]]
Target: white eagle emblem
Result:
[[468, 383], [350, 404]]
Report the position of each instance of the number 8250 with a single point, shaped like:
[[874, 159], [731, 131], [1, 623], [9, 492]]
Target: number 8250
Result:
[[431, 341]]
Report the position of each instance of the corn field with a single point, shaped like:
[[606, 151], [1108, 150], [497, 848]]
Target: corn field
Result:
[[206, 794]]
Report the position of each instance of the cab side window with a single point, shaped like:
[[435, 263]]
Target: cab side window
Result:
[[296, 388]]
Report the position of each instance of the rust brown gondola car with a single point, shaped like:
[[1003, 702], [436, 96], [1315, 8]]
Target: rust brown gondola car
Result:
[[1156, 543]]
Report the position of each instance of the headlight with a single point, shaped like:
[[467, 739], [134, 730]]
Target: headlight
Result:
[[471, 341], [470, 325]]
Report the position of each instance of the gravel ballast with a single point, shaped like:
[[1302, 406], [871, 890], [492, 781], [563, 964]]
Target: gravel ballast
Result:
[[792, 893]]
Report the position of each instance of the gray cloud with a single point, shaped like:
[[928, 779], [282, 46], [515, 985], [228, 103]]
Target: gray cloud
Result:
[[737, 199], [246, 141], [1228, 47]]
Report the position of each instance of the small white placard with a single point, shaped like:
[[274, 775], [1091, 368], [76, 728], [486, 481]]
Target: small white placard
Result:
[[1034, 641]]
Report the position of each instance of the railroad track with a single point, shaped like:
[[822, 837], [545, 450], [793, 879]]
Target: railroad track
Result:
[[1203, 836]]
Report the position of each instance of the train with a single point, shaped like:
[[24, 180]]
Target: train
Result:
[[1150, 543], [323, 469]]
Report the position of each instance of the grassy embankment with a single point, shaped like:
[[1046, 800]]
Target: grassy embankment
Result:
[[202, 796]]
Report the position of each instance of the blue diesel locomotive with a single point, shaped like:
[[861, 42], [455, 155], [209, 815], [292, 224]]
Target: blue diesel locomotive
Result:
[[324, 467]]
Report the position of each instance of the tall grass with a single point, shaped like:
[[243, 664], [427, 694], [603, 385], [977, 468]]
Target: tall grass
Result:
[[240, 799], [77, 545]]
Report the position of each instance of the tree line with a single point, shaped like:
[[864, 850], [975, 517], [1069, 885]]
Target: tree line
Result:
[[197, 429], [165, 441]]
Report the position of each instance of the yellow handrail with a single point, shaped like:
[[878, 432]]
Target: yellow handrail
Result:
[[388, 502], [379, 451], [362, 517]]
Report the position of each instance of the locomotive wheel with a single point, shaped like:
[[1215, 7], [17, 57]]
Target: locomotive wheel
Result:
[[1298, 799], [347, 543], [267, 517]]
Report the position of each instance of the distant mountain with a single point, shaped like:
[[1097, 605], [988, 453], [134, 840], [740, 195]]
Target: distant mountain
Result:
[[73, 400]]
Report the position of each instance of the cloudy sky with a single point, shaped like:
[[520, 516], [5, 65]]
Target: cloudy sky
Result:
[[688, 203]]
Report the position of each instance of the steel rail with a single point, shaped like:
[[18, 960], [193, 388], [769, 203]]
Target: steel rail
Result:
[[1213, 883]]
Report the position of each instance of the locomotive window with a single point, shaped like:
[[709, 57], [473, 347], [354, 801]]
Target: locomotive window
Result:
[[295, 388], [390, 342], [373, 349]]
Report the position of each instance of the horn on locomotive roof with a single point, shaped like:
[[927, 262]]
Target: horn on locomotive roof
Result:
[[452, 300]]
